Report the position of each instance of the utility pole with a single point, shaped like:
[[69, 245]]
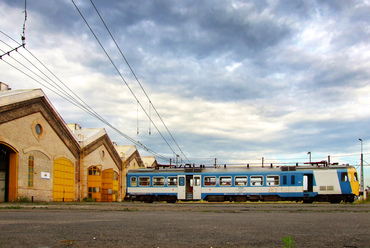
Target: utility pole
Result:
[[362, 186], [215, 162], [309, 153]]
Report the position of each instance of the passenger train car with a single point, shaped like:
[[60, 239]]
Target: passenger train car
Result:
[[287, 183]]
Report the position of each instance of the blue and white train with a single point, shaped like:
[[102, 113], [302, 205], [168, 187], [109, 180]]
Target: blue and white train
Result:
[[287, 183]]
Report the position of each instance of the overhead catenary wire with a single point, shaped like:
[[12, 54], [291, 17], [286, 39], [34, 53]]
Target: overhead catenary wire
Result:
[[123, 79], [138, 81], [82, 105], [23, 36]]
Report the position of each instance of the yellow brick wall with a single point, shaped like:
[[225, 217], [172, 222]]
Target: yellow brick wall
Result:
[[20, 133]]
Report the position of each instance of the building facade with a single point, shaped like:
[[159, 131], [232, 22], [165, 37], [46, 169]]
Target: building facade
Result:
[[44, 159]]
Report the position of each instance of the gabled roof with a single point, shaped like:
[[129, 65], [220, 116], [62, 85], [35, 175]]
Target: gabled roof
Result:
[[126, 151], [92, 138], [15, 104], [88, 135], [149, 161]]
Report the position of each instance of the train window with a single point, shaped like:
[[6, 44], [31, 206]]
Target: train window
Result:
[[181, 181], [196, 181], [133, 181], [144, 181], [292, 179], [355, 177], [256, 180], [158, 181], [210, 181], [225, 181], [284, 180], [171, 181], [241, 181], [272, 180], [344, 177]]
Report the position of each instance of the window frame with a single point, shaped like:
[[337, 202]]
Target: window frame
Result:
[[210, 183], [285, 180], [94, 170], [133, 181], [292, 179], [173, 182], [245, 182], [274, 181], [227, 183], [161, 181], [261, 181], [148, 181], [31, 169]]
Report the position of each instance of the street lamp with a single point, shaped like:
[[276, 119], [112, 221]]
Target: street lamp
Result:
[[310, 156], [362, 186]]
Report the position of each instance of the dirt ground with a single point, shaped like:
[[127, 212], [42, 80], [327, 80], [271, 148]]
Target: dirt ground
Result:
[[183, 225]]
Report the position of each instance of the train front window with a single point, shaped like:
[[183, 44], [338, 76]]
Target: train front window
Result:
[[344, 177], [209, 181], [272, 180], [241, 181], [355, 177], [225, 181], [133, 182], [171, 181], [158, 181], [144, 181], [257, 180]]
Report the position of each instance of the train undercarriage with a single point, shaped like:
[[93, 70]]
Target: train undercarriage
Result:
[[250, 198]]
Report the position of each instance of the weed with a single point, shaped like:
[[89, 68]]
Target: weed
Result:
[[367, 200], [11, 207], [289, 242], [23, 199], [129, 209], [89, 199]]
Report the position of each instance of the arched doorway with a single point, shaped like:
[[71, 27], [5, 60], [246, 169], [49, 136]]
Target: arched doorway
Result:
[[8, 173]]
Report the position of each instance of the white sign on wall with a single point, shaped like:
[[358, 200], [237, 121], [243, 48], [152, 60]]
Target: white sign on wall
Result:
[[45, 175]]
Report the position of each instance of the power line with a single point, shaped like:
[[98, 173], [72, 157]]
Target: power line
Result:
[[65, 95], [114, 65], [132, 71], [23, 37]]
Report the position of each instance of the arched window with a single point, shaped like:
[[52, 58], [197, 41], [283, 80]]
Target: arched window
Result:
[[31, 166], [94, 171]]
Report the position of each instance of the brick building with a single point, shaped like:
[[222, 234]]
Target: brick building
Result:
[[44, 159]]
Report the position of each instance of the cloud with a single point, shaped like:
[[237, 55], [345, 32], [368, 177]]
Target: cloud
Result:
[[232, 80]]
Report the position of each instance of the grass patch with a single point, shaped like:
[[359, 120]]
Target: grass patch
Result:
[[23, 199], [11, 207], [367, 201]]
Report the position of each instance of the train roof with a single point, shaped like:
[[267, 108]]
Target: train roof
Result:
[[236, 169]]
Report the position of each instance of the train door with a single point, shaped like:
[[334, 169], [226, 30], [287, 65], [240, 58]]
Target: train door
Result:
[[181, 188], [307, 183], [189, 187], [197, 187]]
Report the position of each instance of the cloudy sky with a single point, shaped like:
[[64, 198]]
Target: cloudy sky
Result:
[[232, 80]]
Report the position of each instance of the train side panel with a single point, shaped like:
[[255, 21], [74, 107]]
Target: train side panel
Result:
[[316, 184]]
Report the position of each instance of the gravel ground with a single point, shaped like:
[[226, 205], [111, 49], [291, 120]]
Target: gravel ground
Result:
[[183, 225]]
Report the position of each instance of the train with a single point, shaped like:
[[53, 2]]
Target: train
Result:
[[307, 184]]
